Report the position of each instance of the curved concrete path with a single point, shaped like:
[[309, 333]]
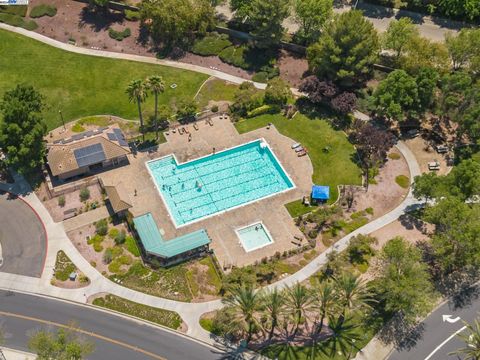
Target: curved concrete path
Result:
[[190, 312]]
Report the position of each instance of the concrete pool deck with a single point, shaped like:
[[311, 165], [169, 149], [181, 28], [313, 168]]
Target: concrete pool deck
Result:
[[221, 227]]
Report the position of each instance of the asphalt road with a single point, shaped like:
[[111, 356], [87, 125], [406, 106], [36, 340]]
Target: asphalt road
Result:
[[22, 237], [437, 338], [114, 337]]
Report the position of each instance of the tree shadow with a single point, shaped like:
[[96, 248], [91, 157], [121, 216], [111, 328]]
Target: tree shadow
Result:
[[403, 335], [417, 18], [375, 11], [458, 286], [143, 35], [99, 20], [410, 222]]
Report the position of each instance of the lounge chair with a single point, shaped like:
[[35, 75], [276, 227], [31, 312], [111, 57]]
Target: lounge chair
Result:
[[299, 149], [434, 165], [195, 126], [185, 130], [301, 153], [296, 145], [180, 131], [210, 122]]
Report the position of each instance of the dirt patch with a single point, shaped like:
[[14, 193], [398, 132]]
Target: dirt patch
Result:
[[424, 153], [386, 194], [292, 68], [72, 201]]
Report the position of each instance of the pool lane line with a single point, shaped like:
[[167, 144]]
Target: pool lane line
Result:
[[83, 332]]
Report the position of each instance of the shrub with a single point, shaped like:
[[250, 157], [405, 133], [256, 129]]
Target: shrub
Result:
[[403, 181], [15, 20], [132, 15], [264, 109], [214, 108], [20, 10], [83, 279], [101, 227], [266, 73], [119, 35], [394, 156], [84, 194], [131, 246], [313, 233], [61, 201], [120, 238], [43, 10], [78, 128], [108, 256], [369, 210], [211, 44], [113, 233], [234, 55]]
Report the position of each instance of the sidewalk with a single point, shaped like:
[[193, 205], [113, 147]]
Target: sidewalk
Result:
[[12, 354]]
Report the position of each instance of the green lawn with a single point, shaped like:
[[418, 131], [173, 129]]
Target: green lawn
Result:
[[81, 85], [217, 90], [332, 168]]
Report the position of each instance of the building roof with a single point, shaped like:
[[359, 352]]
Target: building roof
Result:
[[154, 243], [80, 151], [118, 196], [320, 192]]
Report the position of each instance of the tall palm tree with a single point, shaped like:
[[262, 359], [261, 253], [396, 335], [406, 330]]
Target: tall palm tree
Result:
[[325, 301], [471, 350], [343, 337], [156, 85], [352, 293], [299, 302], [245, 301], [136, 91], [273, 305]]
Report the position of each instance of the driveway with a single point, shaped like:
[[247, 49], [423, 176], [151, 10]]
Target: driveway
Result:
[[22, 238]]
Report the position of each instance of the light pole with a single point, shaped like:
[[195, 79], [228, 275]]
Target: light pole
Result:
[[355, 6], [61, 117]]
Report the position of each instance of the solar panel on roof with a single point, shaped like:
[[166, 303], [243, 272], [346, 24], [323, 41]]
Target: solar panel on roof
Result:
[[88, 133], [89, 155], [65, 141], [78, 136], [112, 136], [119, 134], [122, 142]]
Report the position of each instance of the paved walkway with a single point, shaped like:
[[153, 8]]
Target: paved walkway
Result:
[[190, 312], [12, 354], [86, 218]]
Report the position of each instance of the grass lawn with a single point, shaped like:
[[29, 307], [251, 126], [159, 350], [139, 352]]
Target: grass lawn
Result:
[[216, 90], [81, 85], [331, 168], [63, 266], [163, 317], [297, 208]]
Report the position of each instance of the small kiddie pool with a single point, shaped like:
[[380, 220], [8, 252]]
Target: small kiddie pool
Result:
[[254, 236]]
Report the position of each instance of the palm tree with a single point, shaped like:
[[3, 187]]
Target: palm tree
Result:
[[137, 91], [156, 85], [273, 303], [352, 293], [325, 301], [245, 301], [299, 301], [343, 337], [471, 350]]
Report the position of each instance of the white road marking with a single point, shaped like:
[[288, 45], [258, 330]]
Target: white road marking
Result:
[[449, 319], [443, 343]]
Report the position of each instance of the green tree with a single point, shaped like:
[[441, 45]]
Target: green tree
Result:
[[342, 339], [471, 338], [137, 91], [396, 97], [173, 22], [455, 241], [404, 285], [246, 98], [311, 16], [186, 108], [422, 53], [464, 49], [460, 8], [454, 88], [273, 304], [426, 186], [266, 18], [22, 128], [99, 4], [299, 303], [241, 8], [346, 50], [464, 179], [244, 302], [427, 79], [277, 92], [324, 301], [62, 345], [156, 85], [399, 34], [352, 292]]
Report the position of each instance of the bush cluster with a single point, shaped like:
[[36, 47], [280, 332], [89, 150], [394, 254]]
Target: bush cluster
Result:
[[43, 10], [119, 35]]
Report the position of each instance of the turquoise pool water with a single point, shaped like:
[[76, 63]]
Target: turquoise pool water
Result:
[[218, 182], [254, 236]]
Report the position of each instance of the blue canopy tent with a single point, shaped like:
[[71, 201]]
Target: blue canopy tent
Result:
[[320, 193]]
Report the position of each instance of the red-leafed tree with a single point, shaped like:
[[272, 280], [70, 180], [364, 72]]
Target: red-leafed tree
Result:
[[344, 103]]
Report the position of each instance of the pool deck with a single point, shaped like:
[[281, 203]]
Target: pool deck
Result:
[[221, 227]]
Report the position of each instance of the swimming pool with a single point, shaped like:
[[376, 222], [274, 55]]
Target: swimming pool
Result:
[[219, 182], [254, 236]]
